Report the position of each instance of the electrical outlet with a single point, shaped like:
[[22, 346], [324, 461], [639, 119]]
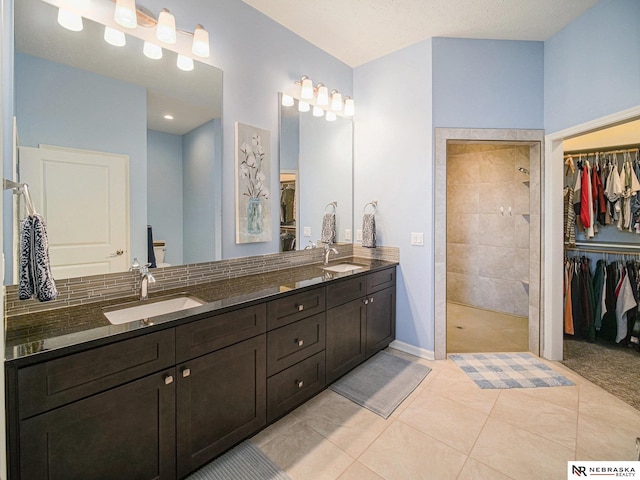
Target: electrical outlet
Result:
[[307, 231], [417, 239], [347, 234], [358, 235]]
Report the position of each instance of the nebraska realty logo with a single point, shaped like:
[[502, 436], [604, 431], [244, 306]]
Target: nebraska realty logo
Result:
[[603, 470]]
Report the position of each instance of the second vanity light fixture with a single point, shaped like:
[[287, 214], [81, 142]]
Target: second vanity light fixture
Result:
[[127, 15], [321, 99]]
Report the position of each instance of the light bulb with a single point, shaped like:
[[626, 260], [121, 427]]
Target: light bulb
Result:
[[114, 37], [331, 117], [287, 100], [349, 106], [125, 13], [185, 63], [303, 106], [323, 95], [336, 101], [152, 51], [69, 20], [200, 45], [317, 111], [166, 29], [306, 90]]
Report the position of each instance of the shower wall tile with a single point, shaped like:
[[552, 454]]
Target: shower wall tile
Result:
[[496, 166], [495, 196], [462, 198], [462, 258], [520, 200], [462, 170], [521, 265], [521, 232], [496, 230], [463, 288], [519, 299], [496, 262], [463, 228]]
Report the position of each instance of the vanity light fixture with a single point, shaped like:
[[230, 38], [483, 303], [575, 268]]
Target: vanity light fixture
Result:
[[317, 111], [69, 16], [336, 101], [287, 100], [152, 51], [166, 28], [200, 46], [306, 88], [184, 63], [331, 116], [349, 106], [125, 14], [114, 37], [303, 106], [168, 116], [323, 95]]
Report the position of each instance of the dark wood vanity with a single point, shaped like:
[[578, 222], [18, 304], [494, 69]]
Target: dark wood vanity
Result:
[[163, 402]]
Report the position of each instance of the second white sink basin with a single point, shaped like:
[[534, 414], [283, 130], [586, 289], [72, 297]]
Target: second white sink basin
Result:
[[343, 267], [153, 308]]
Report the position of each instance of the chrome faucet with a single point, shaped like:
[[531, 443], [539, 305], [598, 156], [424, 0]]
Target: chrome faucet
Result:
[[145, 278], [328, 249]]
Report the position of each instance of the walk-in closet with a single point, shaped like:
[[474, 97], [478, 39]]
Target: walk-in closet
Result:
[[601, 319]]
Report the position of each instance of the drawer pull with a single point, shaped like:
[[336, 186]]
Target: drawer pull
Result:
[[371, 299], [300, 307], [186, 372], [300, 342], [168, 379], [300, 383]]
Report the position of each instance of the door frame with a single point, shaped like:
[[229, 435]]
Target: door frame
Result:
[[535, 138], [553, 246]]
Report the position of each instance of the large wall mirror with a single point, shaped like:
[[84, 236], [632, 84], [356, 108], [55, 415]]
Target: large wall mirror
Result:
[[316, 177], [91, 122]]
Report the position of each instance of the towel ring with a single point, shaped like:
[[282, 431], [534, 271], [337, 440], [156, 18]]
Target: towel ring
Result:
[[332, 204], [374, 204]]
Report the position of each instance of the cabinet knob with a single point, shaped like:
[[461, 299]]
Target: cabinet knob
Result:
[[371, 299], [299, 341], [300, 383], [186, 372], [300, 307], [168, 379], [366, 302]]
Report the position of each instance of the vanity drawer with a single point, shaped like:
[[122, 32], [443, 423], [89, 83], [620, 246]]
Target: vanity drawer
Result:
[[380, 280], [212, 333], [344, 291], [295, 385], [295, 342], [64, 380], [294, 307]]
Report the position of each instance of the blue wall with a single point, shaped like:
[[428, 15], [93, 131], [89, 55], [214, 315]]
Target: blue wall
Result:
[[83, 114], [164, 192], [394, 165], [592, 66], [487, 83]]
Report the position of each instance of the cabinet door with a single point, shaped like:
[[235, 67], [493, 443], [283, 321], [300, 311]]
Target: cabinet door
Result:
[[221, 399], [346, 329], [126, 432], [381, 320]]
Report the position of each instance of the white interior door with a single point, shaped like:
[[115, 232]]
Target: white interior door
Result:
[[84, 199]]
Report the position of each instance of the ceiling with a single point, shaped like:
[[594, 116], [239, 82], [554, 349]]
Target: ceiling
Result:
[[358, 31]]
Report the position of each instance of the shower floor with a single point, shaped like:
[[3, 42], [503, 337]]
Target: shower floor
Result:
[[475, 330]]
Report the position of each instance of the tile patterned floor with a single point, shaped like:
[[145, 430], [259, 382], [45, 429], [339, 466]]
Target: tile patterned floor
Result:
[[449, 428]]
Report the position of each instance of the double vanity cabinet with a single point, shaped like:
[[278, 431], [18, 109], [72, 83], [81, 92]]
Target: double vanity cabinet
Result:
[[162, 403]]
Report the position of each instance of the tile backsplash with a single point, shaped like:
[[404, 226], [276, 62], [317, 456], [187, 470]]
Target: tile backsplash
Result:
[[99, 288]]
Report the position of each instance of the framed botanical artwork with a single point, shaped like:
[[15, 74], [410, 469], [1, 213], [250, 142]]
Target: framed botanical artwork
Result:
[[253, 174]]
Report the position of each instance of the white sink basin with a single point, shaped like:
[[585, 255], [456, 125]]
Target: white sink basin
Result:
[[153, 308], [343, 267]]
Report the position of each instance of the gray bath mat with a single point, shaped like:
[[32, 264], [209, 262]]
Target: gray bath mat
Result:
[[381, 383], [244, 462]]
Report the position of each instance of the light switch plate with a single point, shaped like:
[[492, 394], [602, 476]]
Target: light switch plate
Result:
[[358, 235], [347, 234], [307, 231], [417, 239]]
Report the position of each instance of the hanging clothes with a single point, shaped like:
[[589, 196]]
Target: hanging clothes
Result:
[[625, 301]]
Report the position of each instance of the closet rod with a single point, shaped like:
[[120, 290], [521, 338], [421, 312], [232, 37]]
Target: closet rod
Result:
[[603, 247], [593, 152]]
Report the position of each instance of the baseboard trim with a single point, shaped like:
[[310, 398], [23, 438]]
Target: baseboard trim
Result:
[[412, 350]]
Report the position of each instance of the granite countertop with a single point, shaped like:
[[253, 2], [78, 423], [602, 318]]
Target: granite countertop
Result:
[[74, 328]]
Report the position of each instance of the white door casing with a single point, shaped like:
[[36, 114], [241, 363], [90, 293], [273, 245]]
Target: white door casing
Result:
[[84, 199]]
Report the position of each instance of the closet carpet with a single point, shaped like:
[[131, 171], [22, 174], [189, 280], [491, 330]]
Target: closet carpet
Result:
[[613, 368]]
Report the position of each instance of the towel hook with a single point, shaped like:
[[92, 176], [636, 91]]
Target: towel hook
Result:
[[374, 204], [332, 204]]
